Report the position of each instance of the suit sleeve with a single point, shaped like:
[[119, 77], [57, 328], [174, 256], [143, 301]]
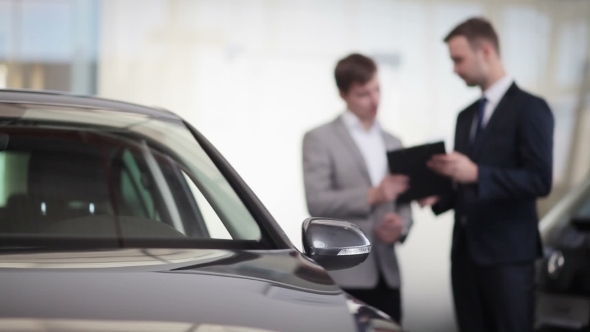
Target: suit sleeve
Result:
[[447, 201], [323, 199], [534, 177]]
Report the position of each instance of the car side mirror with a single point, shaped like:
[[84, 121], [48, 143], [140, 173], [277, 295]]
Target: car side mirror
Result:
[[334, 244]]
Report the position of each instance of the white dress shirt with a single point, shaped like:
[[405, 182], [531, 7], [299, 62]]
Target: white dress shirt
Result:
[[371, 144], [493, 95]]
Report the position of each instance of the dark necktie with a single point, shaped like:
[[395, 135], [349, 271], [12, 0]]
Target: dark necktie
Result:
[[480, 115]]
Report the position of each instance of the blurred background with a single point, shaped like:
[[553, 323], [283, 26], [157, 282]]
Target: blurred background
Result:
[[255, 75]]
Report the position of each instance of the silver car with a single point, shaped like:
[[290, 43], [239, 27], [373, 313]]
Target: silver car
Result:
[[120, 217]]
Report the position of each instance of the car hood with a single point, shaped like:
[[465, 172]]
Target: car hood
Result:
[[277, 290], [77, 325]]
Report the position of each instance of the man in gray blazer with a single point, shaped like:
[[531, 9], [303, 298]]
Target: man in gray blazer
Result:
[[346, 177]]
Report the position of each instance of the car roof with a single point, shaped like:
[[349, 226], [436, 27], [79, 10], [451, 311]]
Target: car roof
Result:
[[59, 98]]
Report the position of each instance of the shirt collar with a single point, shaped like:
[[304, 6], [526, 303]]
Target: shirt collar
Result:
[[352, 122], [495, 92]]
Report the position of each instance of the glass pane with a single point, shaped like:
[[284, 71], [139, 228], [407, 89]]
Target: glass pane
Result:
[[103, 173], [215, 226]]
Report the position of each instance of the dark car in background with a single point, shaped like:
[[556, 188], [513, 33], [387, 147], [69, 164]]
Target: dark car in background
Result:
[[119, 217], [563, 275]]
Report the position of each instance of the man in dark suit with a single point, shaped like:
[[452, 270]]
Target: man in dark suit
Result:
[[502, 163]]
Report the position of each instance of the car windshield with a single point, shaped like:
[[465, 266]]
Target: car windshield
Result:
[[70, 173]]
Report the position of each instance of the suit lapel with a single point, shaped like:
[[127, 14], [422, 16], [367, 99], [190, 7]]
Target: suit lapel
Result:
[[351, 146], [390, 143], [495, 119], [464, 130]]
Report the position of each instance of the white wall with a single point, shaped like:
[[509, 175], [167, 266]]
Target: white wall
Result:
[[254, 75]]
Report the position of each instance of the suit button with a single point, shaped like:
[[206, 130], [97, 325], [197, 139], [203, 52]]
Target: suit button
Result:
[[463, 220]]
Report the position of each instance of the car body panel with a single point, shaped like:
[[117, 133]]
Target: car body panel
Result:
[[80, 325], [268, 290], [57, 98]]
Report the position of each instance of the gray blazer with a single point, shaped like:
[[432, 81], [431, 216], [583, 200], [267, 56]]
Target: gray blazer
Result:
[[336, 185]]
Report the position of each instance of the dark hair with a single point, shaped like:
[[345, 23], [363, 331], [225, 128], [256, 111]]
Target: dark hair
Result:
[[354, 68], [475, 30]]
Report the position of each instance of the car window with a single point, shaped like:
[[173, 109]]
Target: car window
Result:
[[151, 182], [134, 191], [214, 225], [15, 164]]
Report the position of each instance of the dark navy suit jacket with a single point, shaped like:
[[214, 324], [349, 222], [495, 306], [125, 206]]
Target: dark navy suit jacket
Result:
[[496, 219]]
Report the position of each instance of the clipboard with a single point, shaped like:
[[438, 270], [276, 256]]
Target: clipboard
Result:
[[423, 181]]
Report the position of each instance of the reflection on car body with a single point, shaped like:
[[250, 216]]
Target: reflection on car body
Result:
[[71, 325]]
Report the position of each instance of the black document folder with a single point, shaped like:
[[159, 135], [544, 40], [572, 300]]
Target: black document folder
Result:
[[423, 181]]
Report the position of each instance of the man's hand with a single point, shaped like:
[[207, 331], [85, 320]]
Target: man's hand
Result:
[[389, 189], [390, 229], [428, 201], [392, 186], [456, 166]]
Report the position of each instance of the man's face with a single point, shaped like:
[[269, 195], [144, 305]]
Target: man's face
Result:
[[363, 99], [468, 63]]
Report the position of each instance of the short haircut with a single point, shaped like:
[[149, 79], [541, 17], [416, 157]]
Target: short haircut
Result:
[[476, 30], [355, 68]]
